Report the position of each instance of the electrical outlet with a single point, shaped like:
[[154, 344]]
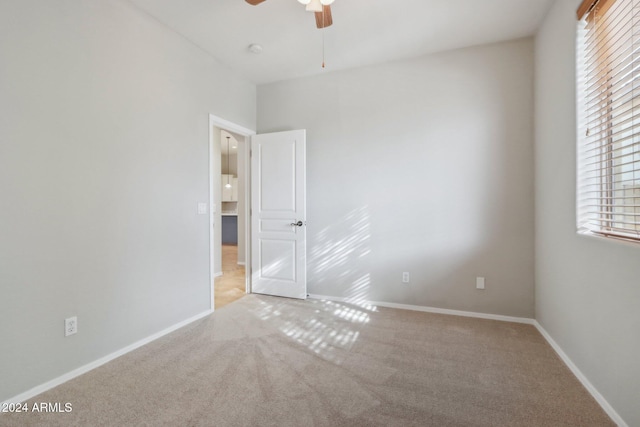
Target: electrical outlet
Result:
[[479, 282], [70, 326], [405, 277]]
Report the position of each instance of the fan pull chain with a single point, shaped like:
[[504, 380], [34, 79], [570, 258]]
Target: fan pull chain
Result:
[[323, 30], [323, 48]]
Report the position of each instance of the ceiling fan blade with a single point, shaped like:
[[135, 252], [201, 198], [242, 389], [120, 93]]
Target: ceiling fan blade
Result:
[[254, 2], [323, 19]]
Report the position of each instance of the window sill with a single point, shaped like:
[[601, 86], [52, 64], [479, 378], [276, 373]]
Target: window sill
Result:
[[611, 239]]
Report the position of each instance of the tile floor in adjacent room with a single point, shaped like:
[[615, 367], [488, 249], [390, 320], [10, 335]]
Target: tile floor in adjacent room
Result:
[[231, 285]]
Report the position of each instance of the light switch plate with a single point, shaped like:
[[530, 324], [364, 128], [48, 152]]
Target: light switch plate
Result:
[[202, 208]]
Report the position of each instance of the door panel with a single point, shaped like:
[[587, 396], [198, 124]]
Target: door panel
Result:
[[278, 179], [277, 259], [279, 214]]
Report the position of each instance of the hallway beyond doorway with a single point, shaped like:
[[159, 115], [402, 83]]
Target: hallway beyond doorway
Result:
[[231, 285]]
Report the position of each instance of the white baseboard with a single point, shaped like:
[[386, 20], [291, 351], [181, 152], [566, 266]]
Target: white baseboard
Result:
[[576, 371], [582, 378], [92, 365], [241, 263], [218, 274], [426, 309]]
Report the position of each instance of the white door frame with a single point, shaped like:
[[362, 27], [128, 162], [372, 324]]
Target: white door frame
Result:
[[219, 122]]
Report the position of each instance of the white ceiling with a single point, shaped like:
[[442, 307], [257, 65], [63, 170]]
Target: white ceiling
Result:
[[364, 31]]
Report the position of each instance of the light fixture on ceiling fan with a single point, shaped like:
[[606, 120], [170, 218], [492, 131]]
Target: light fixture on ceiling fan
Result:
[[321, 8]]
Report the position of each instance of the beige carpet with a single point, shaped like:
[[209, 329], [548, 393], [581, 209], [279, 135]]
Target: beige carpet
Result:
[[264, 361]]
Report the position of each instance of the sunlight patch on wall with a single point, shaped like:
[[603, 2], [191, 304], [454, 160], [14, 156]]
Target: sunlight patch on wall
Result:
[[339, 254]]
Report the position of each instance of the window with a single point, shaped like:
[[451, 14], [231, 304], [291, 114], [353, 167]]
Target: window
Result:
[[609, 118]]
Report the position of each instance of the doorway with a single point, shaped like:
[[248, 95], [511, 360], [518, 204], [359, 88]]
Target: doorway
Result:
[[275, 178], [231, 286], [229, 175]]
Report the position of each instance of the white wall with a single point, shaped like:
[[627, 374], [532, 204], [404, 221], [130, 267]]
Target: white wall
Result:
[[423, 166], [103, 158], [587, 289]]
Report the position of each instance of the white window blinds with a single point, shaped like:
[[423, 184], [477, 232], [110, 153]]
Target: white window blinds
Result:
[[609, 127]]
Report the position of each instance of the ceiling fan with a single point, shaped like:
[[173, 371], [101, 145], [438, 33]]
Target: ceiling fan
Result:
[[321, 8]]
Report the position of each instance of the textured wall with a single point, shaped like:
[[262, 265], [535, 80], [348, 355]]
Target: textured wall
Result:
[[104, 139], [424, 166], [587, 289]]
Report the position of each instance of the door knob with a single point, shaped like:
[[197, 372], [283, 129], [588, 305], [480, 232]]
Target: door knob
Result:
[[298, 224]]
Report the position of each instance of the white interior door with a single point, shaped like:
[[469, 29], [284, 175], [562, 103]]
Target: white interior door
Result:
[[278, 214]]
